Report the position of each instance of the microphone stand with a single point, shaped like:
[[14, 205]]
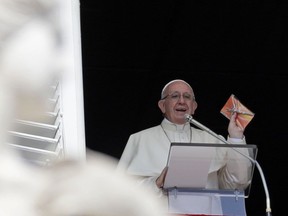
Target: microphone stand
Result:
[[190, 119]]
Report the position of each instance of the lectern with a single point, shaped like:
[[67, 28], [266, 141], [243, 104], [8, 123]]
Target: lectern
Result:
[[193, 170]]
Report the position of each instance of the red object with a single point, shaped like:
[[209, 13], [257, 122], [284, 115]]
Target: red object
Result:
[[233, 105]]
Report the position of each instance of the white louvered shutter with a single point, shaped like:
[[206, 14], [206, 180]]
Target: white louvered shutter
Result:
[[60, 133], [41, 142]]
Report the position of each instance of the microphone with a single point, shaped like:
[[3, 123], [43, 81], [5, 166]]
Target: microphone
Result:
[[190, 119]]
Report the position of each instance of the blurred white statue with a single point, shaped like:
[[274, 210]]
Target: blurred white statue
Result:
[[30, 59], [30, 55], [95, 189]]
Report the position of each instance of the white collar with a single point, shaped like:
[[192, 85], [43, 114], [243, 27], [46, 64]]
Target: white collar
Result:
[[168, 125]]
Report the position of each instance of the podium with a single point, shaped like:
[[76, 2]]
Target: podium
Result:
[[209, 178]]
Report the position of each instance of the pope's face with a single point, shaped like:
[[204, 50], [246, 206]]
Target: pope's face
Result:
[[178, 100]]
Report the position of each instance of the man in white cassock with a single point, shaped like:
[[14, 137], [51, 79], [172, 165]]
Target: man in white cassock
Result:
[[146, 152]]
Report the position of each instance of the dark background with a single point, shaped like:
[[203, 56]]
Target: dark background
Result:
[[131, 49]]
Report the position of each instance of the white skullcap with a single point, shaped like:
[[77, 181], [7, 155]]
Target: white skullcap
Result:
[[175, 80]]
